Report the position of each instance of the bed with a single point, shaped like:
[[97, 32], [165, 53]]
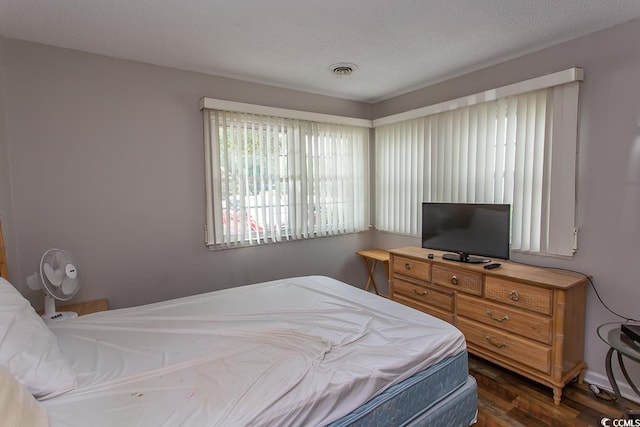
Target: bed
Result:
[[298, 351]]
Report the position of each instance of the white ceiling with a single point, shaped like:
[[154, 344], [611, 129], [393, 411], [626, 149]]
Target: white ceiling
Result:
[[398, 45]]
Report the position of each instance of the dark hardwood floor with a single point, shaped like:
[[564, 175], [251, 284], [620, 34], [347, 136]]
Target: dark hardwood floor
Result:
[[507, 399]]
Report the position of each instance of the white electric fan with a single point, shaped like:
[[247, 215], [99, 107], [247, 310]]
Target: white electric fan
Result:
[[60, 280]]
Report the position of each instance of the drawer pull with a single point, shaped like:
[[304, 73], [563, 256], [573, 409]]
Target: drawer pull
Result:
[[495, 344], [407, 266], [423, 293], [454, 280], [514, 295], [496, 318]]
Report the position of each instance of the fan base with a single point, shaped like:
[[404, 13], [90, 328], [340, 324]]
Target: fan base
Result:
[[59, 316]]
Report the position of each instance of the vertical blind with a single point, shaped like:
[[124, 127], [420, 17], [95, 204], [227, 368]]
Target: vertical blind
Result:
[[492, 152], [271, 179]]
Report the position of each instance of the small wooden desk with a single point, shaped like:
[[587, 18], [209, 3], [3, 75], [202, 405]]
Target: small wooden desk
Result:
[[85, 307], [375, 255]]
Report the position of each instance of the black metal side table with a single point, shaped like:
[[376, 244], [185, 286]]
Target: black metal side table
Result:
[[624, 347]]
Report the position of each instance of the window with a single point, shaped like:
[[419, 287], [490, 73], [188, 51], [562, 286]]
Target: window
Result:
[[271, 178], [518, 149]]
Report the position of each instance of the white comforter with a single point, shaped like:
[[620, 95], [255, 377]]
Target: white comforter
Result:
[[300, 351]]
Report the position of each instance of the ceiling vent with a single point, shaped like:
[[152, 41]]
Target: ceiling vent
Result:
[[343, 69]]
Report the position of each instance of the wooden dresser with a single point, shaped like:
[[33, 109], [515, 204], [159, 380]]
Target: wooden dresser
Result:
[[527, 319]]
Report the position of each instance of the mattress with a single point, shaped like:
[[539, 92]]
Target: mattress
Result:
[[460, 408], [297, 351], [404, 402]]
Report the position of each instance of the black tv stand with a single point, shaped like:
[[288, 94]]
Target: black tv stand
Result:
[[464, 257]]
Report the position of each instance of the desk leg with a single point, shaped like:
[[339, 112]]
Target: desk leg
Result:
[[626, 375], [370, 270], [612, 380]]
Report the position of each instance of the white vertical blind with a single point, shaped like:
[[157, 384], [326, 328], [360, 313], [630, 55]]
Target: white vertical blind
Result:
[[400, 155], [561, 174], [493, 152], [271, 179]]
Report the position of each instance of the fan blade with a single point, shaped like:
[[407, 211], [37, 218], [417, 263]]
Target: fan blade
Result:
[[59, 272], [69, 286], [33, 282], [53, 276], [61, 258]]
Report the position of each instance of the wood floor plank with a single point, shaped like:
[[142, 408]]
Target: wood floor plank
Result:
[[508, 399], [584, 397]]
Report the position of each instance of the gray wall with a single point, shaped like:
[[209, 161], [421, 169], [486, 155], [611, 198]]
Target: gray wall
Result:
[[608, 206], [6, 204], [107, 162]]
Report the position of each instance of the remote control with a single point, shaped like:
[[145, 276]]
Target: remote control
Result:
[[492, 266]]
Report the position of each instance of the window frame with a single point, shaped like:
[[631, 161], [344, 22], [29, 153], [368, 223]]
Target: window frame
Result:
[[559, 231], [213, 176]]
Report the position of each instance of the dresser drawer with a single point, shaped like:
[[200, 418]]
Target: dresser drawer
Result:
[[519, 350], [529, 325], [447, 316], [466, 281], [519, 295], [423, 294], [412, 268]]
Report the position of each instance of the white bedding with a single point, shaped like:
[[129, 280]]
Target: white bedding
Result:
[[299, 351]]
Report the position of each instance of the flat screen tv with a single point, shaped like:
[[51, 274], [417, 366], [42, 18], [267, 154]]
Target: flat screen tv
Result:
[[467, 229]]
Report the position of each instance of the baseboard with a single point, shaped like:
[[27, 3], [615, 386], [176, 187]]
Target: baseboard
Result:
[[603, 382]]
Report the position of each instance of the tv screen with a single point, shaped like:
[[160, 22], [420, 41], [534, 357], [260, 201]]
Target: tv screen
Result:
[[467, 229]]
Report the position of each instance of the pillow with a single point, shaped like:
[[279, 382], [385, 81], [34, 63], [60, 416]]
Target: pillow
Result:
[[17, 405], [29, 349]]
